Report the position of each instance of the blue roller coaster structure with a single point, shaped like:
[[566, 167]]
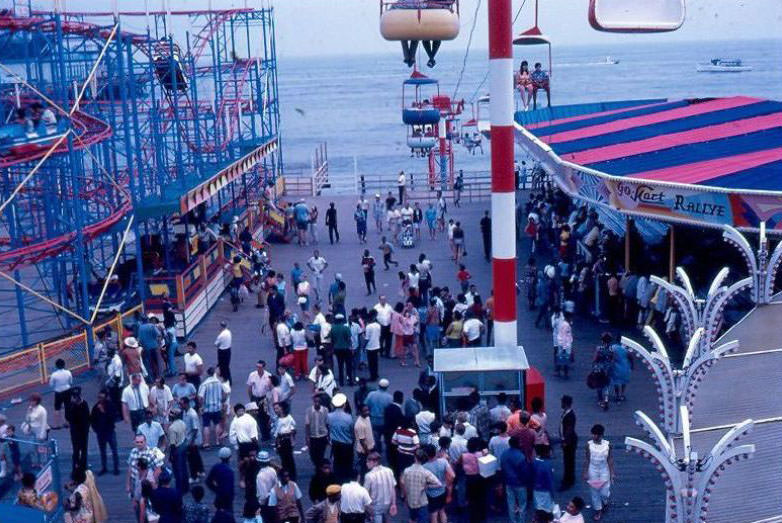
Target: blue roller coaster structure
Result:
[[119, 149]]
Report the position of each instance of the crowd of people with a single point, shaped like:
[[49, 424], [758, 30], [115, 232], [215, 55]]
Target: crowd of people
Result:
[[377, 450]]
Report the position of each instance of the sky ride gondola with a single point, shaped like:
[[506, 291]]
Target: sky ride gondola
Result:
[[530, 37], [426, 21], [419, 113], [647, 16], [419, 109]]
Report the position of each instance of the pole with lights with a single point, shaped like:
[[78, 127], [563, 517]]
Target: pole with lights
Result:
[[702, 313], [762, 267], [676, 388], [689, 479]]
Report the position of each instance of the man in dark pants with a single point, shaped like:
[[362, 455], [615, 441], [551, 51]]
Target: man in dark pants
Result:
[[486, 235], [221, 481], [102, 419], [78, 416], [567, 431], [331, 222], [384, 310], [223, 344], [276, 303], [341, 436], [340, 340]]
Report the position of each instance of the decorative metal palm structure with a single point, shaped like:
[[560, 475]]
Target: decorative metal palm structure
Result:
[[689, 479], [761, 267], [676, 388], [703, 313]]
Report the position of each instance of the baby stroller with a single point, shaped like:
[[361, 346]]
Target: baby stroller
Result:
[[406, 236]]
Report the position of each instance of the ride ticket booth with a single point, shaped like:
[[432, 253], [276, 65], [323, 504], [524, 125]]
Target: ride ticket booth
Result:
[[489, 370]]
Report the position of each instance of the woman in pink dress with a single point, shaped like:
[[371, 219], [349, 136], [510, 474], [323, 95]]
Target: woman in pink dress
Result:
[[397, 329], [524, 84]]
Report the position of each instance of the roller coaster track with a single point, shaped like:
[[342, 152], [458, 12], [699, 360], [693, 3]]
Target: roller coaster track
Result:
[[87, 130], [90, 130], [142, 43]]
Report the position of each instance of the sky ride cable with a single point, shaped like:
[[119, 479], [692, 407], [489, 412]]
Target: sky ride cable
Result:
[[467, 51], [464, 63]]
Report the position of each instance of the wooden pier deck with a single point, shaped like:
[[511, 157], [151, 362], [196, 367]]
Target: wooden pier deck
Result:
[[638, 492]]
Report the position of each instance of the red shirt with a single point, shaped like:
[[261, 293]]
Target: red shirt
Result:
[[463, 275]]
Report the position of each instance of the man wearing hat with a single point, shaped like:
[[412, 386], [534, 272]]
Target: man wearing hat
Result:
[[341, 342], [377, 401], [264, 483], [131, 356], [221, 481], [341, 434], [328, 510]]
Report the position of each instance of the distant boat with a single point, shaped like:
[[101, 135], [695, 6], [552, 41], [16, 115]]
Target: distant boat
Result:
[[718, 65], [610, 60]]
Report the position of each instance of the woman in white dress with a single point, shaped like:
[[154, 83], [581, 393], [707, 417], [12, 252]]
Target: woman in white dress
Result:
[[599, 470]]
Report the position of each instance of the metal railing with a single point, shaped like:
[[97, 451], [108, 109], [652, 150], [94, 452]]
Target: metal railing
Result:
[[476, 184], [302, 182]]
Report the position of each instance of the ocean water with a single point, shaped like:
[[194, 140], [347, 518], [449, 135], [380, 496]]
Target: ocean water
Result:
[[354, 103]]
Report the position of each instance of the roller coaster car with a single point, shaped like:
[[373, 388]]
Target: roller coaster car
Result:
[[16, 141], [169, 70], [118, 297]]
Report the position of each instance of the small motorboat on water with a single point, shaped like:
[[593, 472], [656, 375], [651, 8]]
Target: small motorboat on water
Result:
[[718, 65], [610, 60]]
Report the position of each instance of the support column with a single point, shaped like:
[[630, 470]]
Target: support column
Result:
[[503, 195], [672, 253], [628, 224]]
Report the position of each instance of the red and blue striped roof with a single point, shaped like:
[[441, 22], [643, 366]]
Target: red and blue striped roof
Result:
[[734, 143]]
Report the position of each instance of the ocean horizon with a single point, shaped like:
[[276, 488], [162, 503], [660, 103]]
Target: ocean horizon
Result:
[[354, 103]]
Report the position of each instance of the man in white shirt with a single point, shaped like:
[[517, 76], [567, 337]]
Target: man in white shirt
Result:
[[114, 375], [135, 400], [223, 344], [284, 341], [401, 181], [322, 378], [372, 332], [258, 384], [194, 364], [60, 382], [384, 311], [407, 213], [355, 502], [472, 330], [287, 385], [243, 432], [317, 265]]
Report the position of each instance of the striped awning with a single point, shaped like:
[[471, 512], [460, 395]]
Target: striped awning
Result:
[[732, 143]]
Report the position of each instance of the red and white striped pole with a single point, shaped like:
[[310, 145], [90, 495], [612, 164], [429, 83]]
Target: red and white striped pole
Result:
[[503, 194]]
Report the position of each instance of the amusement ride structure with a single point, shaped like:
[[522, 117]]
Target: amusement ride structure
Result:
[[118, 149]]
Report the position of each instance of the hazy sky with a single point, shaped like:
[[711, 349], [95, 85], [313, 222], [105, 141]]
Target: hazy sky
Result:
[[334, 27], [316, 27]]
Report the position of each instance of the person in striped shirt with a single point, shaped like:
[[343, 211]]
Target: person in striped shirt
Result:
[[212, 398], [405, 442]]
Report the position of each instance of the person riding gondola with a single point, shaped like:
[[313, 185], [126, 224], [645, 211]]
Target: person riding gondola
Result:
[[411, 22]]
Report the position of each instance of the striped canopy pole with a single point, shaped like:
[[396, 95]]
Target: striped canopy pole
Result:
[[503, 194]]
